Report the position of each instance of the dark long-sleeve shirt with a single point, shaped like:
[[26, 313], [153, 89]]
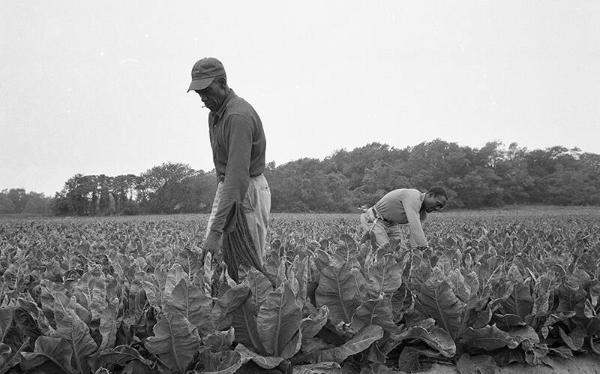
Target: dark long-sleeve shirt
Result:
[[238, 145], [403, 206]]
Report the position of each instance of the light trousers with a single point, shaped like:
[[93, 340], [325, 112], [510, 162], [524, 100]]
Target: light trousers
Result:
[[257, 207], [381, 230]]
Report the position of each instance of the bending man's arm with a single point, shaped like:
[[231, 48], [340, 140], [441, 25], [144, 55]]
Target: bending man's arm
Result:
[[417, 236]]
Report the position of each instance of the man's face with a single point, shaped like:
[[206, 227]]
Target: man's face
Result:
[[433, 203], [213, 95]]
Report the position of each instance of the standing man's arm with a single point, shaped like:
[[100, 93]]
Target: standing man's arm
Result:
[[238, 134]]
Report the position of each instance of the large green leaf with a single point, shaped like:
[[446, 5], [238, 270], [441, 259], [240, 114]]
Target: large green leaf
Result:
[[55, 300], [160, 285], [378, 368], [5, 354], [339, 289], [133, 301], [244, 322], [375, 312], [6, 319], [571, 300], [262, 361], [90, 292], [311, 325], [488, 338], [402, 301], [440, 303], [593, 326], [553, 319], [542, 293], [311, 345], [151, 288], [472, 282], [175, 341], [23, 330], [10, 358], [28, 304], [595, 344], [273, 266], [208, 271], [319, 368], [109, 324], [520, 301], [360, 342], [174, 277], [192, 303], [536, 354], [526, 333], [346, 251], [507, 321], [574, 340], [122, 355], [229, 302], [409, 359], [435, 337], [479, 313], [506, 356], [384, 277], [223, 362], [278, 322], [298, 274], [459, 286], [71, 328], [219, 340], [50, 355], [259, 284], [236, 308]]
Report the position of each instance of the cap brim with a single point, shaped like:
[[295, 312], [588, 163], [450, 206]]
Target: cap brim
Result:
[[200, 84]]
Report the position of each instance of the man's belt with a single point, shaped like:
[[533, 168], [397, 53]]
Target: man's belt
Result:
[[221, 177], [378, 216]]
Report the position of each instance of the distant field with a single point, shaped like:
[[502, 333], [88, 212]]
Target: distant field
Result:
[[499, 212], [528, 211]]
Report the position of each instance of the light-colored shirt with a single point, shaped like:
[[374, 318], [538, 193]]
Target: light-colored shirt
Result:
[[403, 206]]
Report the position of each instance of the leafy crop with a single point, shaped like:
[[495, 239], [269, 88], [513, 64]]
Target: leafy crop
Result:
[[129, 296]]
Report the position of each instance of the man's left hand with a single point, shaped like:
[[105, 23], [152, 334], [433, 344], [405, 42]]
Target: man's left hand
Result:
[[212, 243]]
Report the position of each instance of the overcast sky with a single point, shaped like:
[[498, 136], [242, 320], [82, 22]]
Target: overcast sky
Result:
[[99, 87]]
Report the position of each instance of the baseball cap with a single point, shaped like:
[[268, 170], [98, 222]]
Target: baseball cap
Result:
[[204, 72]]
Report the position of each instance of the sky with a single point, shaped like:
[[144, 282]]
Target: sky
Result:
[[99, 87]]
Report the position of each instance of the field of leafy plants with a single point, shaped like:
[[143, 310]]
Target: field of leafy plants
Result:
[[132, 295]]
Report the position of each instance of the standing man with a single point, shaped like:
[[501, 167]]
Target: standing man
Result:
[[238, 146], [398, 207]]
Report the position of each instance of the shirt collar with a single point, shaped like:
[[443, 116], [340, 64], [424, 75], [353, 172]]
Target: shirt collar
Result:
[[219, 112], [422, 209]]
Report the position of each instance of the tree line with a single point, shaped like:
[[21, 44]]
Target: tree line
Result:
[[490, 176]]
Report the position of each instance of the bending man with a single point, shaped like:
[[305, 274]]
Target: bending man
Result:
[[398, 207]]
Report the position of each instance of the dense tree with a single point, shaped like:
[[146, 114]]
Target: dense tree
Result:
[[37, 203], [6, 204], [18, 196], [123, 189], [17, 201], [486, 177]]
